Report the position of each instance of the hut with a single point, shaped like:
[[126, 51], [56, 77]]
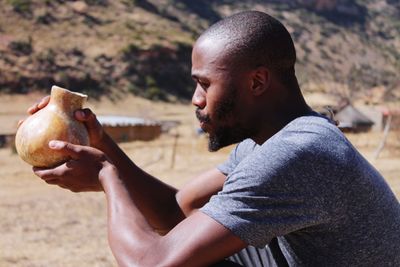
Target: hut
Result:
[[123, 128], [352, 120], [7, 140]]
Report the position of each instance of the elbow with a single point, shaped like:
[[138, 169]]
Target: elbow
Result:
[[186, 204], [146, 254], [150, 255], [128, 252]]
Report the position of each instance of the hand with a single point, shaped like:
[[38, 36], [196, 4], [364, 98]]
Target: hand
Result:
[[86, 116], [79, 174], [93, 126]]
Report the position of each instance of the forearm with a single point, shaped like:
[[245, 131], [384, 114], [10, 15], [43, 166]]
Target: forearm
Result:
[[129, 232], [196, 241], [155, 199]]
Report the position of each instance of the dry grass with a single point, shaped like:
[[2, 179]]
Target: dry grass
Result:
[[42, 225]]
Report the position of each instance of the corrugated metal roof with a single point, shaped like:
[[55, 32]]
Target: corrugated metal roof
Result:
[[124, 121]]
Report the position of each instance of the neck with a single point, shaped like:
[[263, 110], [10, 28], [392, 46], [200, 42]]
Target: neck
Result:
[[280, 114]]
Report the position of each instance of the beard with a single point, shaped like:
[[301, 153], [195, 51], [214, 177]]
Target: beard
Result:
[[225, 135]]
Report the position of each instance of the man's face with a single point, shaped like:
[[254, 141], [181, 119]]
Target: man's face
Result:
[[220, 95]]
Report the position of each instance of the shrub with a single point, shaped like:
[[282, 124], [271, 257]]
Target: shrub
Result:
[[97, 2], [46, 19], [21, 6], [21, 47]]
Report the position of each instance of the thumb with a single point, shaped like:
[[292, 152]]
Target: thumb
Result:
[[87, 116], [70, 149], [93, 126]]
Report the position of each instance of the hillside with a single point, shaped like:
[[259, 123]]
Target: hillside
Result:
[[345, 48]]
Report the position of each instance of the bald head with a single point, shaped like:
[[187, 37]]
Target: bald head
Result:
[[255, 39]]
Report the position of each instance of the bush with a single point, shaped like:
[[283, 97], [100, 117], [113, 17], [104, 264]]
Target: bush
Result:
[[155, 93], [158, 72], [46, 19], [21, 47], [21, 6], [97, 2]]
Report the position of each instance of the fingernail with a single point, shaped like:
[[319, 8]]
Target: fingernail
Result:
[[56, 144], [80, 113]]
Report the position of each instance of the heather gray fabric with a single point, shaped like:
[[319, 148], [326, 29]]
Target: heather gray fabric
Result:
[[308, 186]]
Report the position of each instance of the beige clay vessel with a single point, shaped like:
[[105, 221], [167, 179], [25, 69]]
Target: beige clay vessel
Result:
[[54, 122]]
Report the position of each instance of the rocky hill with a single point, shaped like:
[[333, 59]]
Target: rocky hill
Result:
[[346, 48]]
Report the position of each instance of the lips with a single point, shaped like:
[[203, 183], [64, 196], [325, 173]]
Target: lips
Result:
[[203, 119], [203, 126]]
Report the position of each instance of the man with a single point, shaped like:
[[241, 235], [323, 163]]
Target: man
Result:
[[293, 181]]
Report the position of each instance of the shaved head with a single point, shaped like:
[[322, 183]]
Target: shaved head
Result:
[[255, 39], [246, 85]]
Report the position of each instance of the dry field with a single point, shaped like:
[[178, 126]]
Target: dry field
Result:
[[41, 225]]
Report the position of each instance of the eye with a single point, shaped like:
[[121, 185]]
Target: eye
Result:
[[203, 84]]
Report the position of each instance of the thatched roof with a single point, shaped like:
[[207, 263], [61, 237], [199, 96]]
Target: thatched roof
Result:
[[350, 117]]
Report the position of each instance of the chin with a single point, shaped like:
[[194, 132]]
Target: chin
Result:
[[225, 137], [215, 145]]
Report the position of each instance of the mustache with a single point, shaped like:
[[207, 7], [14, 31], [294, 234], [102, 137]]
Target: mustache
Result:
[[201, 117]]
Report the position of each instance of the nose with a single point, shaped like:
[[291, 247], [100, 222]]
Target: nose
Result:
[[199, 98]]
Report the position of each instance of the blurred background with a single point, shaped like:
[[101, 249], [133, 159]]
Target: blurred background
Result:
[[132, 57]]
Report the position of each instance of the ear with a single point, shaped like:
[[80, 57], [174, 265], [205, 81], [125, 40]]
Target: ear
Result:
[[260, 81]]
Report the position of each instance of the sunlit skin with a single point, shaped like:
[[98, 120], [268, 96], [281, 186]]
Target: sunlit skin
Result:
[[219, 86], [263, 105], [151, 223]]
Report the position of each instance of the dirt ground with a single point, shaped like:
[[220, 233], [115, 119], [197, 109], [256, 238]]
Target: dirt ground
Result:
[[42, 225]]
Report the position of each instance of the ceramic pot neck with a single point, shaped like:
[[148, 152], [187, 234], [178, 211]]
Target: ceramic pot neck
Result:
[[67, 100]]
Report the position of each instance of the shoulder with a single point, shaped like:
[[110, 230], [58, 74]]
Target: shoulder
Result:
[[305, 149], [313, 135], [244, 148], [240, 152]]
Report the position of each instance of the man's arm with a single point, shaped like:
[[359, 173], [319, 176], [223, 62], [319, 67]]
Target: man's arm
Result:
[[196, 241], [162, 205], [155, 199], [199, 190]]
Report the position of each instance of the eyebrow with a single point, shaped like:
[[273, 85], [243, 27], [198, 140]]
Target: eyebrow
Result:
[[197, 75]]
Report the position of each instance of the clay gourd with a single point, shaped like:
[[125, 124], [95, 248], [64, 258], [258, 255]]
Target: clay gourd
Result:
[[54, 122]]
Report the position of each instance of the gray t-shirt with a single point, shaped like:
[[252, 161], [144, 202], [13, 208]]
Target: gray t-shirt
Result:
[[308, 186]]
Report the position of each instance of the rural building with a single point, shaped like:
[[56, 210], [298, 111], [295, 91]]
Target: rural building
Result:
[[120, 128], [7, 140], [123, 129], [352, 120]]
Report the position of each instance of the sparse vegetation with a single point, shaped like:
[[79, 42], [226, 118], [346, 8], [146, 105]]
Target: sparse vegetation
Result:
[[97, 2], [46, 19], [149, 38], [21, 6], [21, 47]]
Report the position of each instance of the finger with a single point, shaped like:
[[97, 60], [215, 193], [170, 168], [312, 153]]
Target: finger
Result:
[[41, 104], [88, 117], [52, 181], [50, 173], [45, 100], [92, 125], [19, 123], [31, 110], [74, 151], [45, 174]]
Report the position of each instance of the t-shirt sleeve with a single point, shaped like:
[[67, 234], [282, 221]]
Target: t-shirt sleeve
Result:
[[241, 150], [268, 194]]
